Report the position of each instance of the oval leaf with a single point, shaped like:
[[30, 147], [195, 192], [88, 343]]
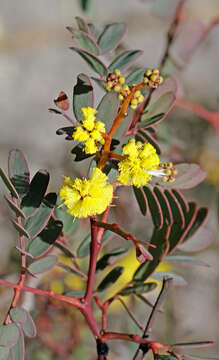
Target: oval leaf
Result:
[[138, 289], [18, 315], [125, 60], [106, 260], [135, 77], [43, 264], [20, 229], [110, 278], [82, 95], [107, 109], [37, 222], [111, 36], [14, 207], [8, 184], [8, 335], [37, 190], [29, 327], [18, 171], [97, 65], [85, 40], [82, 25], [176, 279], [4, 352], [185, 260], [140, 199], [46, 238]]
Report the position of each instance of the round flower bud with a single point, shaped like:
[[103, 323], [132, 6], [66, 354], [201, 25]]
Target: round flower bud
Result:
[[133, 106], [148, 72], [125, 87], [161, 79], [117, 72], [156, 71], [116, 88], [121, 80], [134, 102], [120, 97], [153, 77], [137, 93], [145, 80]]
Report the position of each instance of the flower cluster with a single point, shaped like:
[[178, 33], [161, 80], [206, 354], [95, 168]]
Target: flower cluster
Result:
[[152, 78], [90, 131], [139, 164], [84, 197]]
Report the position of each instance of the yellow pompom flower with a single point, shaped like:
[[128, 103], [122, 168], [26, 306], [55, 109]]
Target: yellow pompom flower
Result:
[[140, 163], [84, 197], [90, 131]]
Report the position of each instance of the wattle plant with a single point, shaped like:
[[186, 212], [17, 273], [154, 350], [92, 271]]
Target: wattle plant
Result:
[[121, 140]]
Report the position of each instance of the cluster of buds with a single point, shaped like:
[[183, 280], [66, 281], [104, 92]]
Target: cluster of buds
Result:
[[114, 81], [137, 99], [169, 172], [152, 78]]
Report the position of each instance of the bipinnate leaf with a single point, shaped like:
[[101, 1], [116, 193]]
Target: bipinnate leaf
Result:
[[154, 207], [8, 335], [177, 280], [199, 221], [29, 327], [96, 64], [4, 352], [82, 24], [85, 40], [138, 288], [68, 131], [38, 221], [107, 109], [18, 315], [14, 207], [111, 36], [185, 260], [37, 190], [69, 223], [45, 240], [18, 171], [8, 184], [160, 241], [188, 176], [82, 95], [141, 199], [110, 278], [108, 258], [42, 265], [125, 60], [177, 212]]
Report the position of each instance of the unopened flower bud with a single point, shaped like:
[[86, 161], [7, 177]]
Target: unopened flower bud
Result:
[[121, 80], [120, 97], [117, 72], [116, 88], [148, 72]]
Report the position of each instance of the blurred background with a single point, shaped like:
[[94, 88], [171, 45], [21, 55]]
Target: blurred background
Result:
[[35, 65]]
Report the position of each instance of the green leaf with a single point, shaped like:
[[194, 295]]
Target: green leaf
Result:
[[40, 244], [135, 77], [84, 247], [8, 184], [185, 260], [154, 207], [42, 265], [69, 269], [138, 289], [15, 208], [8, 335], [106, 260], [20, 229], [140, 199], [37, 190], [145, 136], [82, 95], [176, 279], [82, 25], [68, 131], [111, 278], [107, 109], [97, 65], [38, 221], [166, 357], [70, 223], [158, 110], [200, 219], [125, 60], [78, 150], [111, 36], [18, 350], [160, 240], [178, 215], [75, 293], [85, 40], [18, 171], [18, 315], [165, 206], [4, 352], [29, 327], [151, 121]]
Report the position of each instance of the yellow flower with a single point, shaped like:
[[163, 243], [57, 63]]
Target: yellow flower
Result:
[[140, 163], [90, 131], [87, 197]]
